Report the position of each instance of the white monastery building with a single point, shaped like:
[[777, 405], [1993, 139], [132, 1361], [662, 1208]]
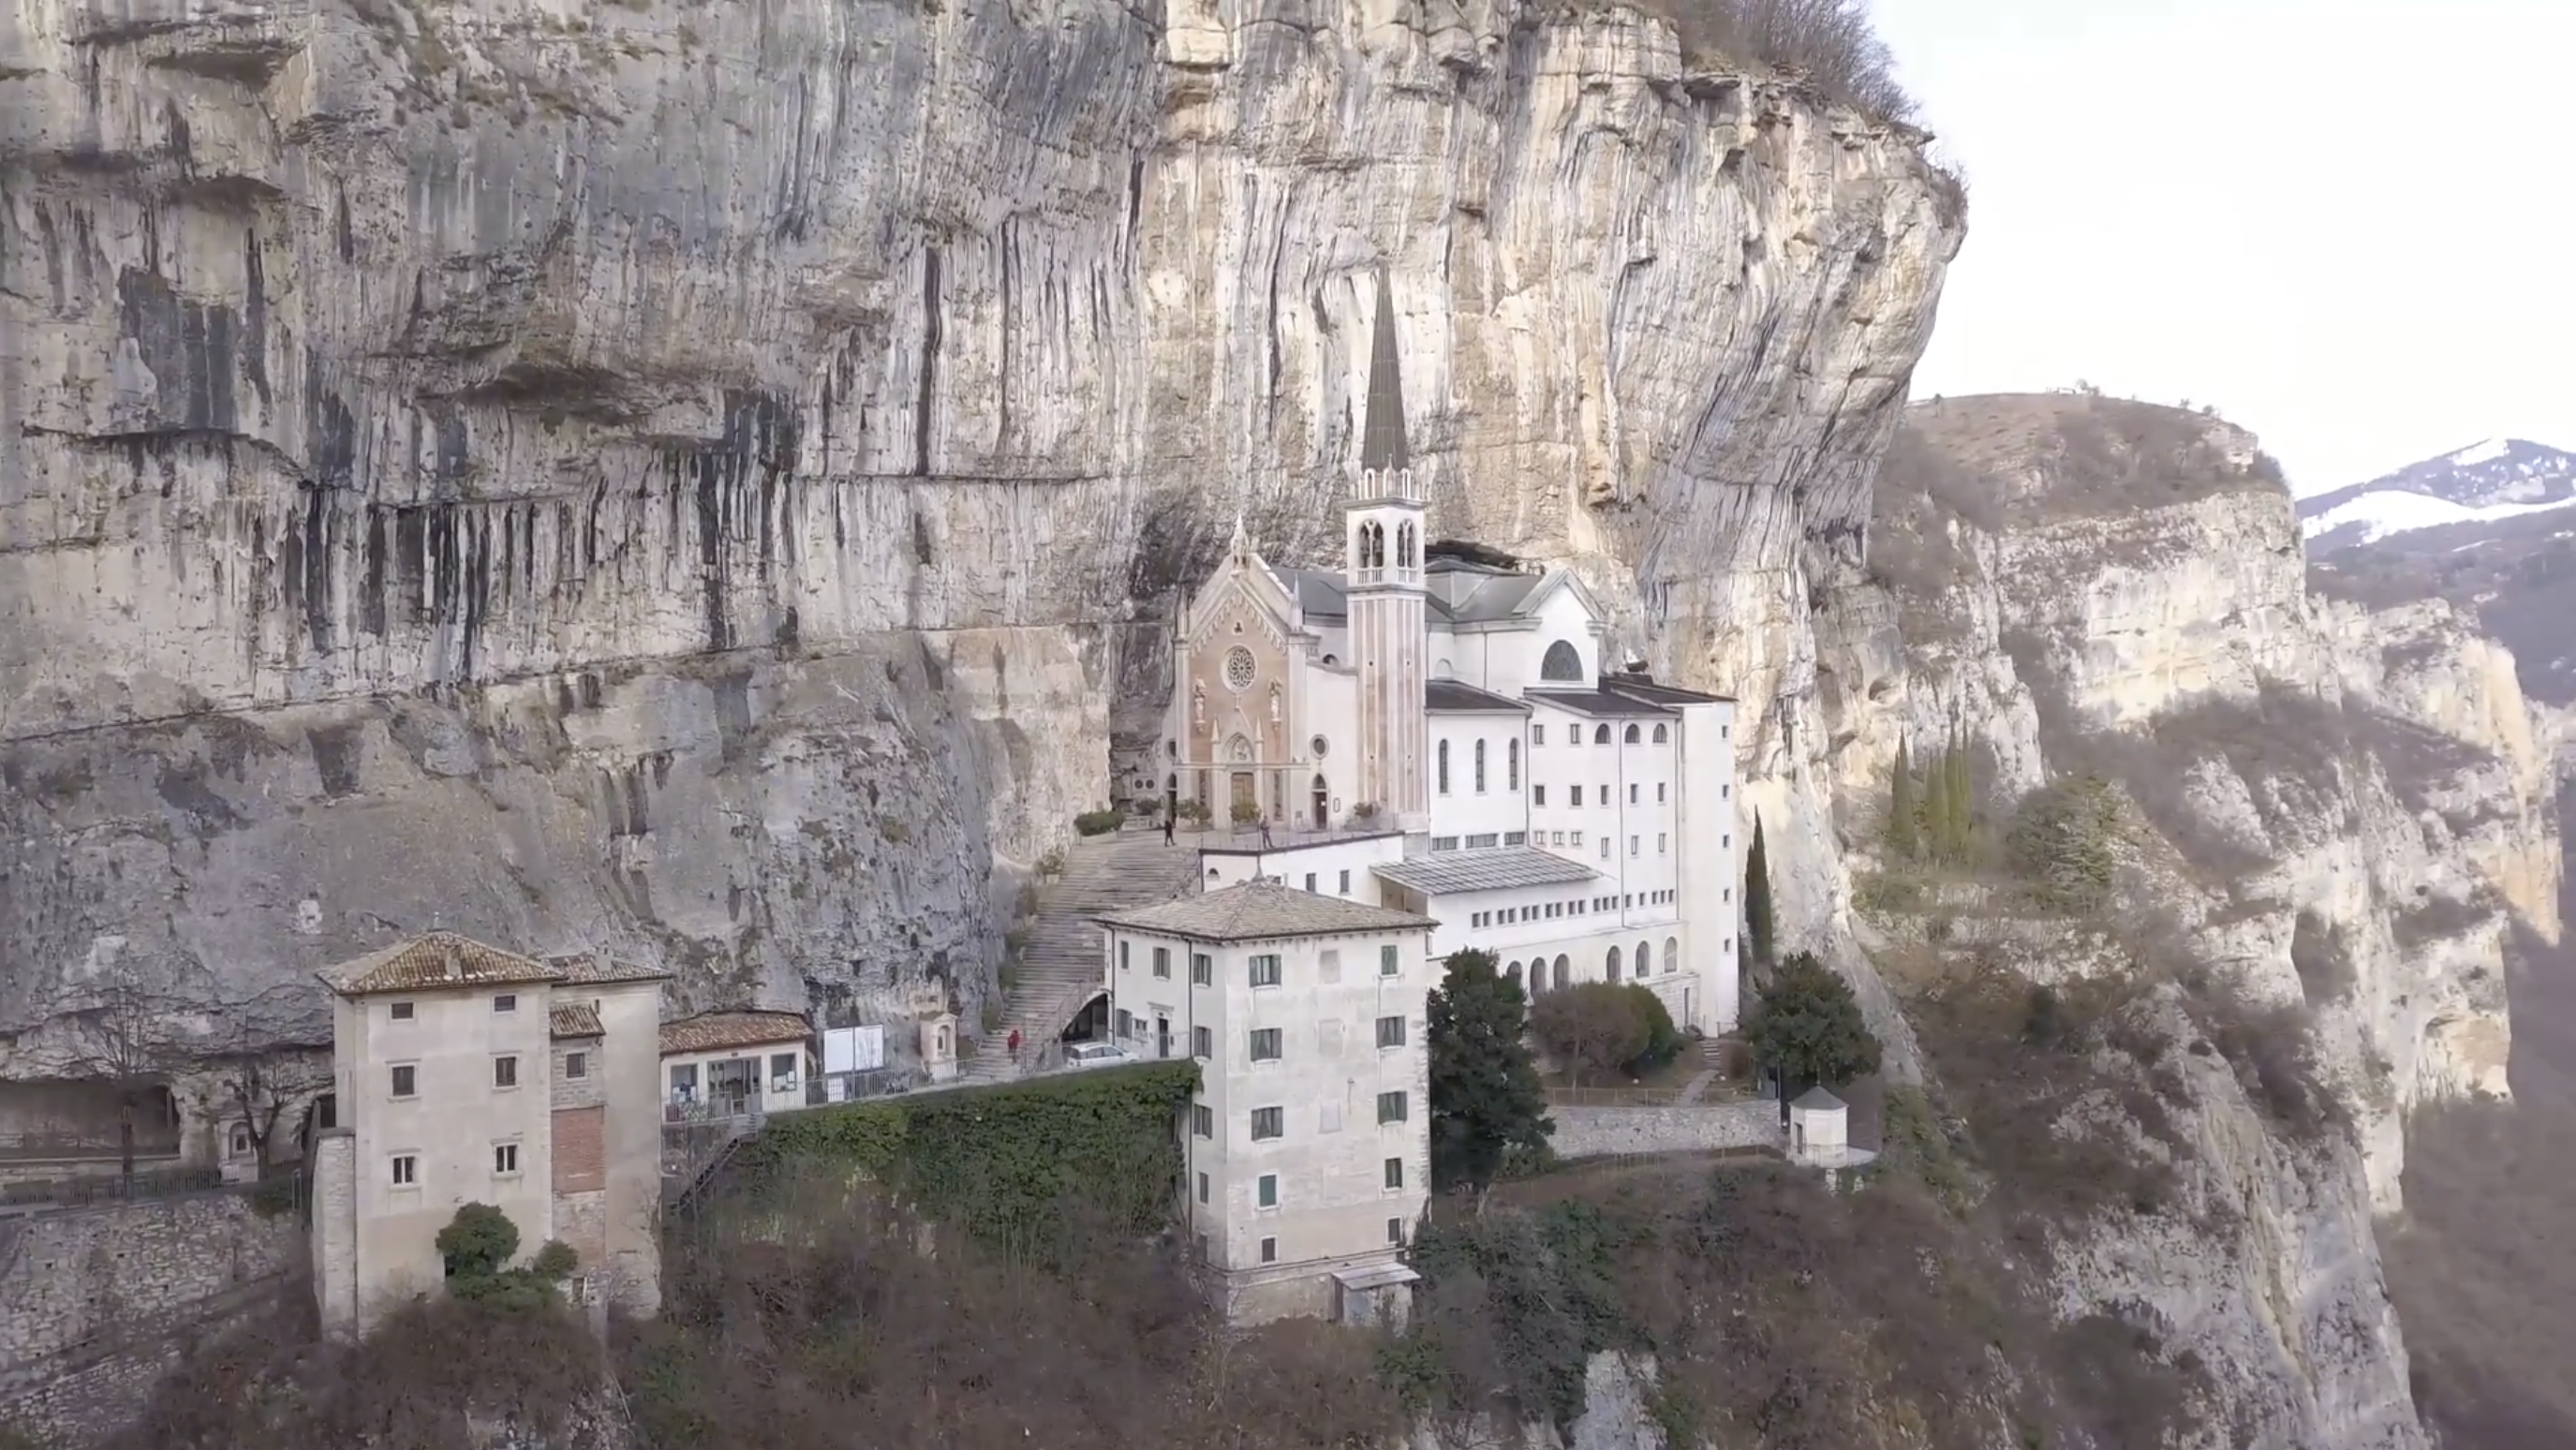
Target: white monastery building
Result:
[[1432, 727], [467, 1074], [1308, 1149], [1440, 760]]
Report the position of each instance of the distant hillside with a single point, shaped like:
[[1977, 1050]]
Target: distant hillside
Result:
[[2491, 528]]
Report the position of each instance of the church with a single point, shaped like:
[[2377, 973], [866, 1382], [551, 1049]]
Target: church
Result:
[[1433, 728]]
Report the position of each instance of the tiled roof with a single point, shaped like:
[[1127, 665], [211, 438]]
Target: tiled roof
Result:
[[710, 1031], [1454, 697], [1816, 1099], [601, 969], [1263, 909], [1610, 703], [1448, 873], [440, 959], [576, 1020]]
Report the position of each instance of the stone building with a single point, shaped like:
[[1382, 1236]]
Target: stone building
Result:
[[463, 1073], [1433, 726], [1307, 1153]]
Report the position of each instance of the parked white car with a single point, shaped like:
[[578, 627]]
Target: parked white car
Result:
[[1096, 1054]]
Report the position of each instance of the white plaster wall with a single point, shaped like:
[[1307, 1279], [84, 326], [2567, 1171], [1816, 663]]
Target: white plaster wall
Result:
[[1463, 810], [629, 1067], [771, 1098], [1710, 837], [1330, 1160], [1461, 928], [1326, 861], [450, 1125]]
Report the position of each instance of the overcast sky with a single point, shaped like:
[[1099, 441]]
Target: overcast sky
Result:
[[2351, 224]]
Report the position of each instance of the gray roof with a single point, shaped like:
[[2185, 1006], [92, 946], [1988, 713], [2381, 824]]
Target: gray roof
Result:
[[1262, 909], [1455, 697], [1612, 703], [1647, 687], [1473, 593], [1816, 1099], [1382, 441], [1450, 873]]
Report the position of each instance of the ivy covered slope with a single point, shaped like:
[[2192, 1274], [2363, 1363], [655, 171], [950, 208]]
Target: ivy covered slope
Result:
[[2191, 886]]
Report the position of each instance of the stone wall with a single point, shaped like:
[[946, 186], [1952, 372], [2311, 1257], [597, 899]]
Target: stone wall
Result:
[[1596, 1132], [96, 1304]]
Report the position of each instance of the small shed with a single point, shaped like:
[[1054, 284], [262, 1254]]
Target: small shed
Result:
[[1819, 1124], [939, 1046]]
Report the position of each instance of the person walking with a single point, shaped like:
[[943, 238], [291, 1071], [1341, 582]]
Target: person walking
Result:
[[1168, 814], [1265, 833], [1015, 1045]]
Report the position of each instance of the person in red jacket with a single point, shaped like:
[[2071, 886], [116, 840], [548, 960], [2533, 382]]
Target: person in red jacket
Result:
[[1015, 1044]]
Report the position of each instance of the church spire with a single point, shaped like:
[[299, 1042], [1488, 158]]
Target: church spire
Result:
[[1382, 441]]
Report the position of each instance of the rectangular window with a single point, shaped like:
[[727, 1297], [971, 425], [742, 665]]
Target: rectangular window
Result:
[[1444, 843], [1126, 1024], [1328, 965], [1202, 969], [1632, 845], [1659, 792], [1265, 971], [1386, 963], [1660, 839], [1515, 838], [1163, 962], [1266, 1191], [1390, 1032], [402, 1011], [1605, 848], [1202, 1121], [1395, 1173], [782, 1072], [1202, 1042], [1346, 883], [1482, 841], [1538, 794], [1538, 735], [505, 1072], [576, 1065], [1390, 1107], [1395, 1231], [1577, 797], [406, 1170], [505, 1158], [1265, 1044], [1725, 840], [406, 1080], [1203, 1188], [1122, 956], [1310, 881], [1268, 1123], [1725, 791], [1632, 793], [1269, 1251], [506, 1002]]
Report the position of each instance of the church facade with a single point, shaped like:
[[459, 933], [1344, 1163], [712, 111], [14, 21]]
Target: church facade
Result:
[[1433, 727]]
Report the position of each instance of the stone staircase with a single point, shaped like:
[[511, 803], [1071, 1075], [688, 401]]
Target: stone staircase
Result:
[[1060, 964]]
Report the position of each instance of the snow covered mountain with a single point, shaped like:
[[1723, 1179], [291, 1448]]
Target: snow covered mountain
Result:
[[2499, 479]]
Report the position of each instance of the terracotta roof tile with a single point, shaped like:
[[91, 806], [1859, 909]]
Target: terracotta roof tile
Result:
[[577, 1020], [1262, 909], [440, 959], [710, 1031], [599, 969]]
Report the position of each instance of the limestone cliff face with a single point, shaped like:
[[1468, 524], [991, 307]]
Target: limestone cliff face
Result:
[[2350, 810], [694, 480]]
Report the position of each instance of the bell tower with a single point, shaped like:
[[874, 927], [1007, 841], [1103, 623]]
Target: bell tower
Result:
[[1383, 534]]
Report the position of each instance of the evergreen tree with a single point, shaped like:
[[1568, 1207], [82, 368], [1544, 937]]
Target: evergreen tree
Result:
[[1806, 1023], [1485, 1093], [1936, 811], [1962, 794], [1900, 807], [1757, 897]]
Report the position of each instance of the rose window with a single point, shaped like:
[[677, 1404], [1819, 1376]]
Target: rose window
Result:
[[1238, 669]]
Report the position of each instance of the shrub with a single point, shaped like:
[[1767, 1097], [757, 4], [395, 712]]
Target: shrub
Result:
[[1196, 812], [1663, 1039], [1098, 823], [1243, 813], [1364, 811], [477, 1246], [1050, 864], [1829, 44], [1806, 1023], [1591, 1026], [2062, 840]]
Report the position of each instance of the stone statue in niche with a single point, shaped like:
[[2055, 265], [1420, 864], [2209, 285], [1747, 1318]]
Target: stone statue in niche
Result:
[[1274, 704], [1198, 704]]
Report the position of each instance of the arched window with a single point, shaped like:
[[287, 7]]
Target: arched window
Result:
[[1323, 800], [1645, 959], [1672, 954], [1561, 662], [1610, 969], [1556, 978], [1512, 974], [1600, 734], [1631, 737], [1511, 765], [1404, 546], [1480, 767], [1443, 759], [1661, 736]]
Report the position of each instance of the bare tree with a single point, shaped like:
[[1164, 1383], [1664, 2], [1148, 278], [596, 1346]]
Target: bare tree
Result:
[[124, 1033], [271, 1060]]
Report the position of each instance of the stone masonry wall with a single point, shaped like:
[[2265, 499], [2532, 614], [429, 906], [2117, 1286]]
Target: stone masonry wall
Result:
[[1595, 1132], [96, 1304]]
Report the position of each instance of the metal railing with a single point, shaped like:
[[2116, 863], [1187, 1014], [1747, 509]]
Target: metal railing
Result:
[[84, 1146], [85, 1190]]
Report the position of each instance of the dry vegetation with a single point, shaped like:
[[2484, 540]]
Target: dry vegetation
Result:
[[1829, 46]]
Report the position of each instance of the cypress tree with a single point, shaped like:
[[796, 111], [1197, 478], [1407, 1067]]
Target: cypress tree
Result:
[[1900, 807], [1936, 811], [1757, 897], [1962, 793]]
